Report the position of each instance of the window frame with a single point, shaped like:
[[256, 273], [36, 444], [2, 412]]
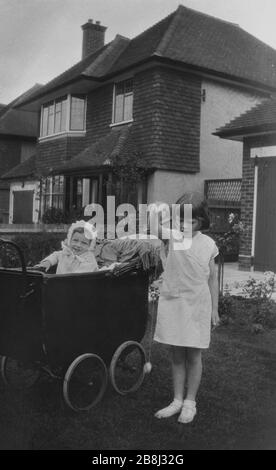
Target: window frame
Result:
[[125, 94], [59, 194], [67, 118]]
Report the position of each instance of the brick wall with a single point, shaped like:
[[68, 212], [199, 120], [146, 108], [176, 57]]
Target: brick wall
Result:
[[10, 151], [166, 127], [247, 198], [4, 205], [166, 112], [53, 153], [178, 127]]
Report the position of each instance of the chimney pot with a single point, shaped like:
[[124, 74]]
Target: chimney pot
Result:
[[98, 22]]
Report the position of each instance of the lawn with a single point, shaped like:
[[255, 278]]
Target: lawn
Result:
[[236, 406]]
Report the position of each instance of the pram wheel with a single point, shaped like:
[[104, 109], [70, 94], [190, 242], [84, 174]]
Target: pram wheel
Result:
[[17, 374], [127, 367], [85, 382]]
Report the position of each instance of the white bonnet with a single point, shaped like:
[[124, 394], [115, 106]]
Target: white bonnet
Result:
[[90, 231]]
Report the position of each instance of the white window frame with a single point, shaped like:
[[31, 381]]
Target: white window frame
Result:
[[26, 186], [113, 123], [51, 193], [67, 131]]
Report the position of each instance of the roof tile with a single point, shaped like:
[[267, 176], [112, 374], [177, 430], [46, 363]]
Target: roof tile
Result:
[[260, 116], [188, 37]]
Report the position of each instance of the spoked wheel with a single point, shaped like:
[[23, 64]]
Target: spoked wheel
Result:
[[127, 367], [85, 382], [17, 374]]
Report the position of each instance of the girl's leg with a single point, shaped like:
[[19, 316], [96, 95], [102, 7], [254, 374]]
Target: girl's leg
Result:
[[178, 377], [194, 373], [178, 371]]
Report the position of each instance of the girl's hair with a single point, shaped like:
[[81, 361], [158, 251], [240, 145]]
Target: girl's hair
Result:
[[199, 208]]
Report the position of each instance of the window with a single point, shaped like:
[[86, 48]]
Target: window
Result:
[[123, 101], [63, 115], [77, 113], [79, 192], [53, 193]]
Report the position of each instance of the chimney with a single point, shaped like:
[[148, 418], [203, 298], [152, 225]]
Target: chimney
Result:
[[93, 37]]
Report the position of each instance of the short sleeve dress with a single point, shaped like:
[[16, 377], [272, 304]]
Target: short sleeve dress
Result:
[[184, 308]]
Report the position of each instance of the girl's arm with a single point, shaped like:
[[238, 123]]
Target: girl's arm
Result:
[[155, 223], [213, 286]]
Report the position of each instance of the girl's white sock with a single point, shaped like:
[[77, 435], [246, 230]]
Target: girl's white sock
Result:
[[174, 407]]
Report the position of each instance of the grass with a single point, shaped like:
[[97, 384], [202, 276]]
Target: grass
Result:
[[236, 406]]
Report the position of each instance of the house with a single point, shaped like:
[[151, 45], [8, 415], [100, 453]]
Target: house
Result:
[[158, 98], [18, 135], [256, 129]]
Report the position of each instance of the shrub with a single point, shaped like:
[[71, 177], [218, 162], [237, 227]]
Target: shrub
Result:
[[226, 309], [256, 316], [229, 242], [35, 246], [259, 290], [58, 216]]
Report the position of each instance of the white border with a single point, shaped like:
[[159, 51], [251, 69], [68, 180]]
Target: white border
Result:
[[27, 186]]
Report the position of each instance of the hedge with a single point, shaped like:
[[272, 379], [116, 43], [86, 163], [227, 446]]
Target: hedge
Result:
[[35, 246]]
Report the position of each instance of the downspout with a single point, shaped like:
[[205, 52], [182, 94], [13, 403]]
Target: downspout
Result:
[[254, 211]]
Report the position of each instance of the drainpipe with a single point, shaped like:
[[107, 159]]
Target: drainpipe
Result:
[[254, 209]]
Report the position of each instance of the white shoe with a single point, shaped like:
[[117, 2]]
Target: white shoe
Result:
[[174, 408], [188, 412]]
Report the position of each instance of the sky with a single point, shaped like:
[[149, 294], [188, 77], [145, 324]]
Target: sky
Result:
[[39, 39]]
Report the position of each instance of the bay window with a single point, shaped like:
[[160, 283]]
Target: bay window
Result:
[[66, 114]]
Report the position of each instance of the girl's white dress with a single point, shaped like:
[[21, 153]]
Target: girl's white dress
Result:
[[184, 308]]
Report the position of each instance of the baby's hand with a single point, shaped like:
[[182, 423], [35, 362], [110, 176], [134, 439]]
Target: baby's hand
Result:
[[44, 264], [113, 265]]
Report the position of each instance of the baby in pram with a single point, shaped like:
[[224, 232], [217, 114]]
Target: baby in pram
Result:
[[77, 254]]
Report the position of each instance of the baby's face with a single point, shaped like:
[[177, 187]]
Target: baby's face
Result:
[[79, 244]]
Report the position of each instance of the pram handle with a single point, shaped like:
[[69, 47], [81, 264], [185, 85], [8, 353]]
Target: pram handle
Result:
[[26, 293], [19, 252]]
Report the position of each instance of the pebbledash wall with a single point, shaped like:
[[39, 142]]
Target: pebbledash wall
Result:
[[247, 199], [220, 158]]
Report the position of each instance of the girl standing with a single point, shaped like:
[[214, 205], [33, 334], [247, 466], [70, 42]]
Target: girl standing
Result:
[[188, 303]]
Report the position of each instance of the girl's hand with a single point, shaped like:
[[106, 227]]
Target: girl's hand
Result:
[[215, 318]]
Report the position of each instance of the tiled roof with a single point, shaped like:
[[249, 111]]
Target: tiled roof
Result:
[[23, 170], [203, 41], [260, 118], [95, 65], [2, 108], [118, 142], [187, 37], [18, 122]]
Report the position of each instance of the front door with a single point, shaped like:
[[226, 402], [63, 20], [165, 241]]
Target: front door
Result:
[[23, 207], [265, 241]]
